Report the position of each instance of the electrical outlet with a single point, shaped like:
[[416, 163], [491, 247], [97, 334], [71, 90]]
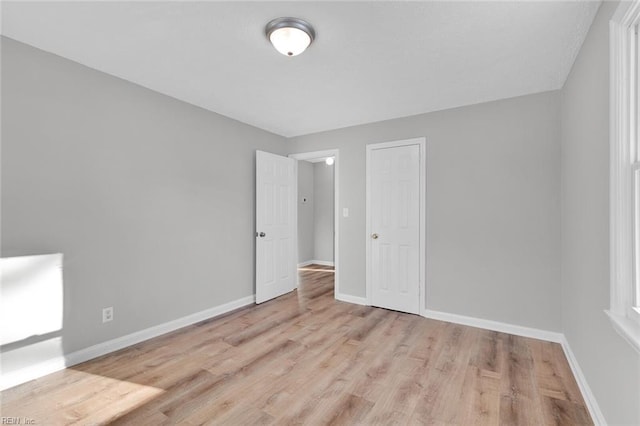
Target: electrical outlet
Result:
[[107, 314]]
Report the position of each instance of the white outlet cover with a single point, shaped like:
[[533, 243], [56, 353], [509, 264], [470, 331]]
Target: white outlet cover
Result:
[[107, 314]]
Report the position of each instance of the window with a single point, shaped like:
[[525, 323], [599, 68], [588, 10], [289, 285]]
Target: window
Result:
[[625, 172]]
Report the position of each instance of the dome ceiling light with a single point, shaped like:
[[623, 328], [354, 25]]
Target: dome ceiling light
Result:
[[290, 36]]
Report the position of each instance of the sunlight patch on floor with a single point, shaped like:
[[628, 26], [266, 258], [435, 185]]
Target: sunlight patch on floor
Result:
[[66, 405]]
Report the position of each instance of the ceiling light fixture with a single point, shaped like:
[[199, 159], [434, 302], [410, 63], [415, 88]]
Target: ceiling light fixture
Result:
[[290, 36], [329, 161]]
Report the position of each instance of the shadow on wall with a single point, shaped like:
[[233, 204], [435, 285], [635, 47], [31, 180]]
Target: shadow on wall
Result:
[[31, 314]]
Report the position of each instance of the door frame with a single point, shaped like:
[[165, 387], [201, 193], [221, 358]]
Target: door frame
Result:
[[335, 153], [422, 257]]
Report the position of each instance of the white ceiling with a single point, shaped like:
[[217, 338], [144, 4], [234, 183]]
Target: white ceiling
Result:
[[371, 60]]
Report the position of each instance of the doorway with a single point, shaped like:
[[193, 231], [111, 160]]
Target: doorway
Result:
[[318, 220]]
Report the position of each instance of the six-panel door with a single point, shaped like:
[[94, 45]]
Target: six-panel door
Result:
[[275, 225], [395, 228]]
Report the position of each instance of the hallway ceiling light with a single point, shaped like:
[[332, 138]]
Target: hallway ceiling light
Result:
[[290, 36], [329, 161]]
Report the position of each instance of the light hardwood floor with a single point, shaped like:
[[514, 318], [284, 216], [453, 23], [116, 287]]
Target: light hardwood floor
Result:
[[307, 358]]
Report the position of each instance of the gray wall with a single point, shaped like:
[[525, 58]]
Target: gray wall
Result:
[[493, 208], [150, 199], [306, 212], [324, 212], [611, 366]]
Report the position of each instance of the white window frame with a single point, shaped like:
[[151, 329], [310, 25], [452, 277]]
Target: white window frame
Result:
[[624, 123]]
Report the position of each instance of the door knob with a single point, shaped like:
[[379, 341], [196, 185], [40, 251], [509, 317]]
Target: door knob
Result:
[[374, 236], [261, 234]]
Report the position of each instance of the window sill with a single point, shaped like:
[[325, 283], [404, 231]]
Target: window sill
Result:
[[627, 328]]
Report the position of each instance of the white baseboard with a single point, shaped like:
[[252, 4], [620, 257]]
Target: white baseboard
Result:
[[15, 378], [351, 299], [589, 398], [315, 262], [534, 333], [11, 379], [50, 366], [550, 336], [323, 262]]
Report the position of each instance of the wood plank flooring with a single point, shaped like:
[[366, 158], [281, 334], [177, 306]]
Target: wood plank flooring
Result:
[[306, 358]]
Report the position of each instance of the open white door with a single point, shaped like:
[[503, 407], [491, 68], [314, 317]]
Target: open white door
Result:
[[275, 225], [395, 209]]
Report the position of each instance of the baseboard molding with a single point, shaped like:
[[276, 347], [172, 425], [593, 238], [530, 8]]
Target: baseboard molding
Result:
[[23, 375], [351, 299], [589, 398], [11, 379], [15, 378], [534, 333], [315, 262], [551, 336]]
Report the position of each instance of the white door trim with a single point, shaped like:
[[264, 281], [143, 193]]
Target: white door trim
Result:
[[422, 143], [336, 206]]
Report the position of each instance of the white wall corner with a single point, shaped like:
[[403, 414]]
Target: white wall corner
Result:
[[23, 375], [589, 398]]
